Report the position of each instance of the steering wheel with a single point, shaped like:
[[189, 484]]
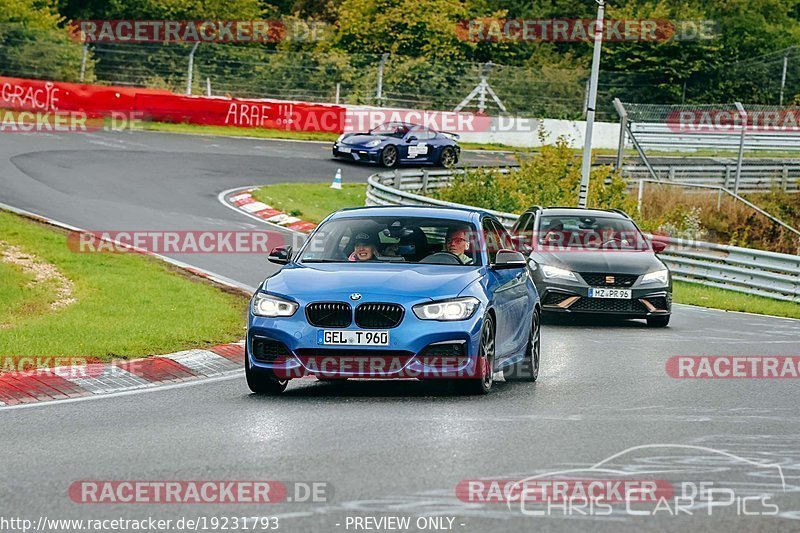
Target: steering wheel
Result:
[[610, 241], [442, 258]]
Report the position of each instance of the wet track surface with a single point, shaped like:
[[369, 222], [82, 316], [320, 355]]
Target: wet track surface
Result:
[[385, 448]]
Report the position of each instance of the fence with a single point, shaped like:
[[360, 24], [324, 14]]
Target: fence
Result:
[[306, 73], [745, 270]]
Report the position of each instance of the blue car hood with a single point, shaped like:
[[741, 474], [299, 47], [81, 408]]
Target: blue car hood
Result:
[[362, 138], [328, 280]]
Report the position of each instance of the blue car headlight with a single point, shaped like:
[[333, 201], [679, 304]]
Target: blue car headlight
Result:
[[272, 307], [373, 144], [447, 310]]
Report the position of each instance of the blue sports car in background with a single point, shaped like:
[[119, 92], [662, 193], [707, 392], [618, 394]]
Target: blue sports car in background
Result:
[[396, 292], [399, 142]]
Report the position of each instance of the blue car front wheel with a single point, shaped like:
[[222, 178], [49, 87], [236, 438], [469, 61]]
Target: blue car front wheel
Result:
[[263, 381], [484, 367], [389, 156], [528, 368]]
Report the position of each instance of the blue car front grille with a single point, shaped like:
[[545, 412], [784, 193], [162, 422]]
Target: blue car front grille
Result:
[[329, 314], [379, 315]]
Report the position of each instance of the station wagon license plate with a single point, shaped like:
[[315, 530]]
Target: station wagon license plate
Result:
[[602, 292], [326, 337], [344, 149]]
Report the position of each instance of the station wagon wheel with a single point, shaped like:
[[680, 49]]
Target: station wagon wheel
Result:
[[482, 384], [448, 157], [528, 368], [389, 156]]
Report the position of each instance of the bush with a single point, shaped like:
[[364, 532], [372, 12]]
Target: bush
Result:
[[549, 177]]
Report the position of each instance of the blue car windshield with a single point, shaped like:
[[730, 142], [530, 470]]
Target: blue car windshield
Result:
[[391, 129], [409, 240]]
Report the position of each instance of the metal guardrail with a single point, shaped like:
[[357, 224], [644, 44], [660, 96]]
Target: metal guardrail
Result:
[[753, 178], [744, 270], [408, 187]]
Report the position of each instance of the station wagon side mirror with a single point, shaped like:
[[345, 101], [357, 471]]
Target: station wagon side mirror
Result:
[[509, 259], [658, 246], [280, 255], [411, 139], [520, 245]]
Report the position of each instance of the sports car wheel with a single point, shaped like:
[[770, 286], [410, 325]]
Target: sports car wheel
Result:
[[528, 368], [482, 384], [389, 156], [660, 321], [448, 158], [263, 381]]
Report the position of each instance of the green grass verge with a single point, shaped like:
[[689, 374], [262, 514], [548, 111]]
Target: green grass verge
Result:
[[311, 201], [232, 131], [128, 305], [17, 294], [690, 293]]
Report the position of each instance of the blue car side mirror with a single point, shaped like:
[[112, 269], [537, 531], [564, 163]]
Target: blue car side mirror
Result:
[[280, 255]]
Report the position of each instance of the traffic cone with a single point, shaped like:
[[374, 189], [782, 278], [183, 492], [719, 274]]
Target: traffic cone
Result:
[[337, 180]]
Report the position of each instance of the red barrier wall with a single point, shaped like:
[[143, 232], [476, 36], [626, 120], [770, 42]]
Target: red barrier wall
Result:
[[164, 106]]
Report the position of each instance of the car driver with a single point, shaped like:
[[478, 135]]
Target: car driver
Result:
[[458, 244], [365, 248]]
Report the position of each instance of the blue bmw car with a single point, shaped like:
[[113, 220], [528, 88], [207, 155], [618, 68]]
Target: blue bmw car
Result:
[[394, 143], [397, 292]]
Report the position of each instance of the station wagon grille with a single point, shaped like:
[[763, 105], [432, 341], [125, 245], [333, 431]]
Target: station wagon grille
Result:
[[608, 305], [609, 280]]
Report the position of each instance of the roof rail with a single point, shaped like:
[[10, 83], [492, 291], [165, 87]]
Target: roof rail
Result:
[[620, 212]]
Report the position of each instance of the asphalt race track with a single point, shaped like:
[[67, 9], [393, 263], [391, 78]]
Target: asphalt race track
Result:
[[384, 448]]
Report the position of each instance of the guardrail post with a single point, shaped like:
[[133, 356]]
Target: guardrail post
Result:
[[743, 115], [84, 53], [425, 181], [639, 195], [785, 179], [623, 126], [190, 73]]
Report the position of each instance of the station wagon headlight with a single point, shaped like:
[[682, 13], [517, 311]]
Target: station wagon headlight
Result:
[[659, 276], [552, 272], [447, 310], [373, 144], [272, 306]]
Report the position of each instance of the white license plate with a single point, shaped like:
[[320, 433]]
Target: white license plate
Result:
[[328, 337], [344, 149], [601, 292]]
